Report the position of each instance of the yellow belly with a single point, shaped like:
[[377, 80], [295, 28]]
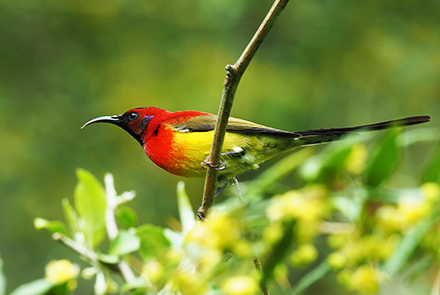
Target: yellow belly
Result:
[[192, 148]]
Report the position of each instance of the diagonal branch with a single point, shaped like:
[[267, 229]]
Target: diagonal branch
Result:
[[233, 76]]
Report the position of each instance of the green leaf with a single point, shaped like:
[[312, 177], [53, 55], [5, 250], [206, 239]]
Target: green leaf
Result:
[[89, 272], [418, 135], [127, 216], [153, 240], [136, 284], [432, 172], [71, 217], [124, 243], [266, 180], [38, 287], [383, 161], [2, 279], [336, 154], [279, 251], [310, 278], [323, 167], [52, 226], [186, 213], [108, 260], [90, 203]]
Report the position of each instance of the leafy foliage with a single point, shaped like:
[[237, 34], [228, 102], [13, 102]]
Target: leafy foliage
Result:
[[90, 204], [326, 64], [374, 232]]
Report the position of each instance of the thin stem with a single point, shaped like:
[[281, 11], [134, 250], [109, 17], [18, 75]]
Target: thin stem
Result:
[[233, 76], [88, 255], [85, 253], [263, 284]]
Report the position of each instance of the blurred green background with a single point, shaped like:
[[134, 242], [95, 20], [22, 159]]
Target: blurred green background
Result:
[[325, 64]]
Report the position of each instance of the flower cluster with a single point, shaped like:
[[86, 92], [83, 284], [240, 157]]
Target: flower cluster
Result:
[[409, 209], [373, 232], [306, 208], [360, 252], [365, 279], [205, 256]]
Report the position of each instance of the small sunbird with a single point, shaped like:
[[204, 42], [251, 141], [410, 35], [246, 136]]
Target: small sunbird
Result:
[[180, 142]]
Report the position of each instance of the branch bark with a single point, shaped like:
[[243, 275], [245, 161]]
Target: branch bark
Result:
[[233, 76]]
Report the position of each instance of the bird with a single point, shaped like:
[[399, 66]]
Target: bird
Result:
[[180, 142]]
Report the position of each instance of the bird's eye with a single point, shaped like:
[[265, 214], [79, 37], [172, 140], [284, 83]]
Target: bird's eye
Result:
[[133, 116]]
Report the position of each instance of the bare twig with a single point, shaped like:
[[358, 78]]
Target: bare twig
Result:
[[263, 284], [233, 76]]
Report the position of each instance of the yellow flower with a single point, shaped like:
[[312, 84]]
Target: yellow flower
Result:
[[220, 231], [153, 270], [172, 256], [412, 211], [60, 271], [367, 279], [240, 285], [308, 206], [430, 191], [209, 259], [390, 219], [354, 251], [337, 260], [243, 249], [188, 283], [273, 233], [306, 203], [336, 241], [305, 254], [286, 206], [375, 247]]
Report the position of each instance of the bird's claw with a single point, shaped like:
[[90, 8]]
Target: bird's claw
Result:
[[207, 162], [201, 216]]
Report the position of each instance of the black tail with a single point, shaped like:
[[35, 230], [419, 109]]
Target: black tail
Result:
[[325, 135]]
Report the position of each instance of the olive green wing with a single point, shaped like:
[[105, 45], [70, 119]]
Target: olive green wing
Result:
[[207, 123]]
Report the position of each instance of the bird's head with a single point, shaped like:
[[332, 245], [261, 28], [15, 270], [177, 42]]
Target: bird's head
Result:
[[139, 122]]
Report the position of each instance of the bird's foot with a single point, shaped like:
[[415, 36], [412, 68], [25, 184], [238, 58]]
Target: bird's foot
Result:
[[201, 214], [207, 162], [237, 151]]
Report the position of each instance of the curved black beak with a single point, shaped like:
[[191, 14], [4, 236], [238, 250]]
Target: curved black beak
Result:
[[116, 119]]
